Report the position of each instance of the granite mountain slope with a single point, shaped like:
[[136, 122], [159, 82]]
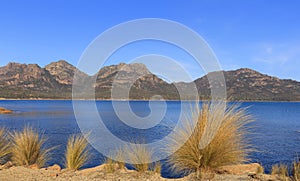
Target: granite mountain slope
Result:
[[55, 81]]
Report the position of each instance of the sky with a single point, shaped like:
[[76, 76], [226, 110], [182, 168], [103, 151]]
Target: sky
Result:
[[263, 35]]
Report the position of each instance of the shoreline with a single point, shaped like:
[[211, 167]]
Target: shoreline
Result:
[[100, 172], [168, 100]]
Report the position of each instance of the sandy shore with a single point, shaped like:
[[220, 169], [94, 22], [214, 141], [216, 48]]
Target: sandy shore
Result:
[[97, 173]]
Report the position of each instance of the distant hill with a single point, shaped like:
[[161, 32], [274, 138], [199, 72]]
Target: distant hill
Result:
[[247, 84], [54, 81]]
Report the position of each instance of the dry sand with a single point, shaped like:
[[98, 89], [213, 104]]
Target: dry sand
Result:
[[97, 173]]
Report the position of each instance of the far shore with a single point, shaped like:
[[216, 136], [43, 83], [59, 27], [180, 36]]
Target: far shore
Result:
[[50, 99]]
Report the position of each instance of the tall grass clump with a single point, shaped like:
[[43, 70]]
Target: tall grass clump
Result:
[[296, 170], [4, 145], [77, 152], [281, 170], [260, 170], [275, 169], [111, 165], [228, 145], [27, 148], [140, 157]]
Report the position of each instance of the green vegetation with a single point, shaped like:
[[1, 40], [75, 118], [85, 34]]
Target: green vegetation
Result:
[[27, 148], [229, 145], [77, 152]]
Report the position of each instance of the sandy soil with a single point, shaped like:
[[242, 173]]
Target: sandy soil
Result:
[[97, 173]]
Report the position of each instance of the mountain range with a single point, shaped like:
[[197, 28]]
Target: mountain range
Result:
[[54, 81]]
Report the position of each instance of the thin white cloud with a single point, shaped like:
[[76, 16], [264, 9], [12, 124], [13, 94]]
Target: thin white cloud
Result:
[[276, 54]]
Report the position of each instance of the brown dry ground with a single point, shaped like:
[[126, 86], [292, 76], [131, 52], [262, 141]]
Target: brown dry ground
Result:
[[98, 173]]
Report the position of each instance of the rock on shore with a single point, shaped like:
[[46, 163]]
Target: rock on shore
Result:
[[5, 111]]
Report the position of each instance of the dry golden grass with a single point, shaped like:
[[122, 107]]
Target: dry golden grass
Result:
[[27, 148], [120, 160], [110, 165], [157, 167], [140, 157], [77, 152], [260, 170], [4, 145], [275, 169], [296, 171], [200, 150], [281, 170]]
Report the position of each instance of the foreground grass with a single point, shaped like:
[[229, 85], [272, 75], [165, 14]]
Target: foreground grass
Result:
[[27, 148], [296, 170], [4, 145], [137, 154], [228, 146], [77, 152], [280, 170]]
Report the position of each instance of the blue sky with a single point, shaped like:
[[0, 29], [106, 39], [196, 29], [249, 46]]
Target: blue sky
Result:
[[260, 34]]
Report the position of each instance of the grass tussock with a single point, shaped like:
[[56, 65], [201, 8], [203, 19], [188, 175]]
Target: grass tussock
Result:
[[260, 170], [140, 157], [280, 170], [199, 150], [4, 145], [296, 171], [157, 167], [275, 169], [77, 152], [120, 160], [110, 166], [27, 148]]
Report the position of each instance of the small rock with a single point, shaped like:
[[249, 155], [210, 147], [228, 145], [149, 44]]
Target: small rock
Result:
[[54, 167], [7, 165], [5, 111], [34, 167], [239, 169], [54, 175], [87, 171]]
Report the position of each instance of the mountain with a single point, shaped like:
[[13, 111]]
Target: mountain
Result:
[[136, 81], [247, 84], [24, 81], [63, 72], [135, 78]]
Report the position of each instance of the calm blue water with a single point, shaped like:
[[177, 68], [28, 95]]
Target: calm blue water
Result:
[[276, 128]]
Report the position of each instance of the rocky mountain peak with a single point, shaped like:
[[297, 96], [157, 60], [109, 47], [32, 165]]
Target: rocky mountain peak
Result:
[[246, 70], [137, 68], [63, 72], [25, 77]]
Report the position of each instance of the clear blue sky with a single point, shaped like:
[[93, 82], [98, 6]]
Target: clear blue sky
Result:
[[260, 34]]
